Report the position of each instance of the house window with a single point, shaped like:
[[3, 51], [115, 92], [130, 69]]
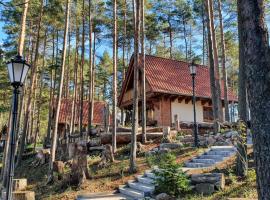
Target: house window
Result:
[[208, 114]]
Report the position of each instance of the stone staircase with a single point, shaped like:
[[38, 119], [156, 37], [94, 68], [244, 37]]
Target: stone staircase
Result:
[[143, 186], [213, 156]]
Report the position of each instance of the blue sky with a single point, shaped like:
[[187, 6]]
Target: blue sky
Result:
[[2, 34]]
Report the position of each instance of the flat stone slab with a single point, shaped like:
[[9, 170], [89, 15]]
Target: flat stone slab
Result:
[[102, 196]]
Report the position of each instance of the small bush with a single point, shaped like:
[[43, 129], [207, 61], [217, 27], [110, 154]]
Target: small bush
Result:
[[170, 178], [160, 160], [251, 175]]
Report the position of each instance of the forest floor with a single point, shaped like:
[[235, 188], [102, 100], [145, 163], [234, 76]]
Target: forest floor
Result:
[[109, 178]]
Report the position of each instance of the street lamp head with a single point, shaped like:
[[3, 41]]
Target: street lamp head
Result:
[[17, 70], [192, 68]]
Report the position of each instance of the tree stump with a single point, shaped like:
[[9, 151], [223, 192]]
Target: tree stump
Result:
[[107, 156], [79, 171], [42, 157], [21, 195], [58, 167], [19, 184]]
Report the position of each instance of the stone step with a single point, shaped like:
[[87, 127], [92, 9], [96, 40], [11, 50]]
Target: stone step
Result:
[[103, 196], [150, 174], [201, 160], [223, 148], [146, 180], [146, 188], [221, 153], [217, 158], [132, 193], [197, 165]]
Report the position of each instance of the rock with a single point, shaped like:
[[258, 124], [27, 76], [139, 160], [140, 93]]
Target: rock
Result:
[[231, 134], [164, 196], [213, 178], [164, 150], [170, 145], [210, 141], [19, 184], [155, 149], [205, 188]]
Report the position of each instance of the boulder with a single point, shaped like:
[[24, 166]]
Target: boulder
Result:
[[170, 145], [210, 141], [164, 196], [205, 188], [19, 184], [217, 179], [164, 150]]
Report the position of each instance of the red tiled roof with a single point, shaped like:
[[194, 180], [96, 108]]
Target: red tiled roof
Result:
[[173, 77], [65, 112]]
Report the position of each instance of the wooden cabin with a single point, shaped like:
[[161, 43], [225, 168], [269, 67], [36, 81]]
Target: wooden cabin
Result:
[[169, 92]]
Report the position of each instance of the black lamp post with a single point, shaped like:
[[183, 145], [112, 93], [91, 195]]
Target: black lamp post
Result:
[[192, 68], [17, 70]]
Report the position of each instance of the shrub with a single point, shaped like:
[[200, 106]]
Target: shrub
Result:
[[171, 179], [160, 160]]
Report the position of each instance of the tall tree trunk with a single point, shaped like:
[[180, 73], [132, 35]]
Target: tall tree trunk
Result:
[[223, 57], [185, 38], [171, 38], [114, 114], [90, 69], [93, 81], [203, 24], [40, 93], [49, 125], [211, 65], [136, 22], [255, 44], [242, 82], [82, 66], [55, 127], [215, 52], [75, 89], [32, 85], [143, 75], [23, 25], [124, 51]]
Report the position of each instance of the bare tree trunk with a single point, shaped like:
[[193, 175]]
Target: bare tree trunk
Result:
[[215, 52], [171, 38], [40, 93], [124, 50], [185, 37], [90, 69], [211, 65], [114, 114], [75, 89], [49, 125], [31, 91], [255, 44], [93, 81], [144, 139], [242, 82], [203, 24], [136, 19], [224, 71], [82, 66], [55, 127], [22, 33]]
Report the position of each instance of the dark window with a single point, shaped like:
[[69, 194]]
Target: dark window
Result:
[[208, 114]]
